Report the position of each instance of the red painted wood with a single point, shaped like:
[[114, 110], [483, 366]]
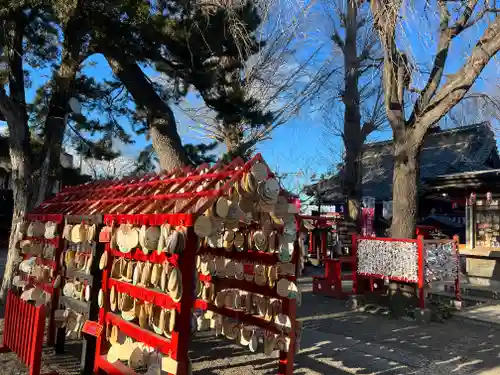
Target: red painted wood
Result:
[[323, 245], [16, 323], [458, 292], [25, 337], [155, 297], [286, 363], [152, 257], [117, 368], [182, 337], [249, 255], [331, 283], [421, 272], [392, 278], [92, 328], [101, 343], [177, 346], [142, 335], [388, 239], [24, 326], [154, 193], [238, 315], [132, 192], [354, 260]]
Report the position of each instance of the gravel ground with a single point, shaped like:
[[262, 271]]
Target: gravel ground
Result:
[[336, 342]]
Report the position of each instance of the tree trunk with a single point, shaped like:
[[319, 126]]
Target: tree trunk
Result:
[[57, 116], [352, 117], [13, 109], [352, 182], [232, 140], [22, 195], [235, 147], [163, 130], [166, 141], [405, 190], [22, 184]]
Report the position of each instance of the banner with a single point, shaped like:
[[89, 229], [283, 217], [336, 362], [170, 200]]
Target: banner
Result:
[[368, 215]]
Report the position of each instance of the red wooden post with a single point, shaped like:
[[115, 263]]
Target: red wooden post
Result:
[[458, 293], [24, 328], [338, 276], [311, 243], [37, 341], [286, 361], [354, 264], [187, 268], [16, 322], [421, 273], [25, 337], [323, 245], [100, 342]]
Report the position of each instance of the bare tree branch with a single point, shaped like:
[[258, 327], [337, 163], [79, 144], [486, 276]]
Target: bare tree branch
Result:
[[441, 92], [459, 84]]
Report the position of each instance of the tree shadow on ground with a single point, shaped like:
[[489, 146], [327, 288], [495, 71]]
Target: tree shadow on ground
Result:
[[338, 341]]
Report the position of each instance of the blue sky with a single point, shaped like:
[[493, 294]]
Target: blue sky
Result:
[[302, 143]]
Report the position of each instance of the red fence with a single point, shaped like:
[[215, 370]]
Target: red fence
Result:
[[24, 326]]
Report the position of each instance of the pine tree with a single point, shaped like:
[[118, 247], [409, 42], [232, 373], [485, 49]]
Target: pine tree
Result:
[[197, 48]]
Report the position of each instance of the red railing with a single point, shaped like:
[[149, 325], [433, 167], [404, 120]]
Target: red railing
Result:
[[24, 326]]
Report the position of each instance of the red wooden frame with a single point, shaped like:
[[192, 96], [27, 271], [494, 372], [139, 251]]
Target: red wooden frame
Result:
[[142, 201], [24, 326], [289, 306], [177, 346], [458, 292], [147, 194], [58, 243], [329, 283], [421, 263], [320, 223]]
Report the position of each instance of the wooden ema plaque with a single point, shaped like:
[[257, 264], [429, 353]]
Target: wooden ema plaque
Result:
[[92, 328]]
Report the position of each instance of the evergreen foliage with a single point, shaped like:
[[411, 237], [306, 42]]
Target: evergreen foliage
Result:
[[196, 46]]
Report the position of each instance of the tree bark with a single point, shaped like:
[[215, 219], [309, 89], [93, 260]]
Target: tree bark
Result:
[[232, 140], [22, 188], [57, 116], [435, 100], [352, 117], [26, 174], [13, 109], [405, 190], [163, 130], [235, 146]]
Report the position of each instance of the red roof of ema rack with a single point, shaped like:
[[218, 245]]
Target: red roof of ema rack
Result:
[[183, 191]]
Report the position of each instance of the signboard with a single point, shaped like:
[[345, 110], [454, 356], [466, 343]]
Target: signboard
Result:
[[92, 328]]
